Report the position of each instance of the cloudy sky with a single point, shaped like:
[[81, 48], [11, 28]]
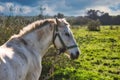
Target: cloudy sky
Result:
[[52, 7]]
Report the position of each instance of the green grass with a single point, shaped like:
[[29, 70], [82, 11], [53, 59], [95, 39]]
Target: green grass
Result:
[[100, 58]]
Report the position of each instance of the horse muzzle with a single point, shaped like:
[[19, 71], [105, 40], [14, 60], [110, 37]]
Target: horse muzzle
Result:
[[74, 55]]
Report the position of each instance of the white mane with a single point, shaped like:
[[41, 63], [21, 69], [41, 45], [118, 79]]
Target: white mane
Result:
[[35, 25]]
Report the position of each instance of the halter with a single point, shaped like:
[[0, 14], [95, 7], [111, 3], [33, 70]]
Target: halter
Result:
[[55, 35]]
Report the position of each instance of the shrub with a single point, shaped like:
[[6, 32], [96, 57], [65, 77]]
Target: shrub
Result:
[[93, 25]]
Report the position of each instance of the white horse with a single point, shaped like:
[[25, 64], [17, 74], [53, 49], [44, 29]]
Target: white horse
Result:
[[21, 55]]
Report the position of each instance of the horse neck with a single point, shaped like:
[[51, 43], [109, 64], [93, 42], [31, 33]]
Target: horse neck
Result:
[[39, 40]]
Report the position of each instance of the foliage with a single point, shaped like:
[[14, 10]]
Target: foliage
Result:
[[6, 32], [104, 17], [93, 25], [93, 14], [99, 59], [59, 15]]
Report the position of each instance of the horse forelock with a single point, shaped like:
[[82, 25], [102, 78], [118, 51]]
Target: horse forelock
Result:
[[36, 25], [64, 22]]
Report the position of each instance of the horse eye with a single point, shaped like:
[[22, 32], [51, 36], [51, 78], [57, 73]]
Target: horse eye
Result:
[[67, 34]]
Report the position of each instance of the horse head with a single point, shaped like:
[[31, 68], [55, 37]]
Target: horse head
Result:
[[63, 39]]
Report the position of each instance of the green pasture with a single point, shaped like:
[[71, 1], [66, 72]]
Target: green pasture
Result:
[[99, 59]]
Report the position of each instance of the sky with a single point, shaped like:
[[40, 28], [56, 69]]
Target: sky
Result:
[[52, 7]]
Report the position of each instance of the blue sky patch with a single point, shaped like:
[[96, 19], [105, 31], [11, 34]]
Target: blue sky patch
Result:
[[52, 7]]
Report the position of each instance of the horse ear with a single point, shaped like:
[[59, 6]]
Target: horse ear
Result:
[[57, 21]]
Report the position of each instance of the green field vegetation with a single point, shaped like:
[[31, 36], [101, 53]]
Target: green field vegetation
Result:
[[100, 58]]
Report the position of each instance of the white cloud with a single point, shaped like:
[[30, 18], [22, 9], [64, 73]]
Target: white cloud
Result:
[[105, 9], [49, 10], [27, 9], [107, 2], [117, 12], [1, 8], [9, 4], [96, 4], [56, 7], [105, 6], [16, 8], [62, 7], [101, 8]]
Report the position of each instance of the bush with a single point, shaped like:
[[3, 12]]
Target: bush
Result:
[[93, 25]]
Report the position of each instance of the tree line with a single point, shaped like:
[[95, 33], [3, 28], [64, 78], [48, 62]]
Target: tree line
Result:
[[96, 15], [103, 17]]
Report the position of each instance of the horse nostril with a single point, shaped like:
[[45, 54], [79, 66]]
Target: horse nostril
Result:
[[77, 53], [75, 56]]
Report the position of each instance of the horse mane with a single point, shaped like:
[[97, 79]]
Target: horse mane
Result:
[[35, 25]]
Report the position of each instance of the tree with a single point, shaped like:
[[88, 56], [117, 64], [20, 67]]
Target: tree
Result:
[[93, 14], [106, 19], [42, 9], [103, 17], [94, 25], [59, 15], [11, 9]]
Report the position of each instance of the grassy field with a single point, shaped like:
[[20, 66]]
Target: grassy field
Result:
[[100, 58]]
